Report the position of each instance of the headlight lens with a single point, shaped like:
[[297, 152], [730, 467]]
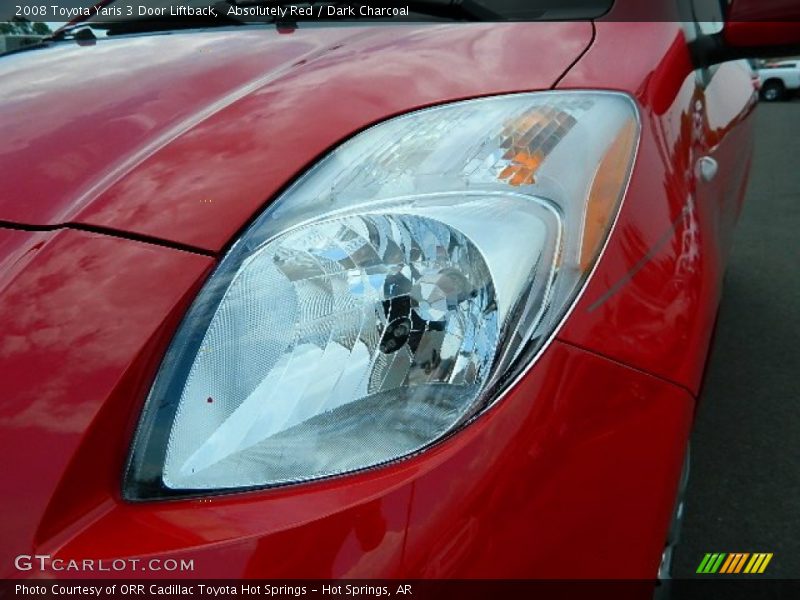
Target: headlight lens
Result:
[[384, 299]]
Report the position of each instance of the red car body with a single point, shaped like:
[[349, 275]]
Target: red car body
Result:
[[131, 165]]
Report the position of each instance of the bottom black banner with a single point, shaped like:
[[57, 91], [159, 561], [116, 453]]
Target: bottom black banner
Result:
[[689, 589]]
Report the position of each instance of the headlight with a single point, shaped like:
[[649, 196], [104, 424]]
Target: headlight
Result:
[[386, 298]]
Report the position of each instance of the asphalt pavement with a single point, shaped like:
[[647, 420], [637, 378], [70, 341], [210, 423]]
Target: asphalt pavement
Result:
[[744, 486]]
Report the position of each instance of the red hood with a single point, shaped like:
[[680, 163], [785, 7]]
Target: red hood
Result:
[[184, 137]]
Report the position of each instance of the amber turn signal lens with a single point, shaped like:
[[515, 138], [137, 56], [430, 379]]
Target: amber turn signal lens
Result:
[[607, 190]]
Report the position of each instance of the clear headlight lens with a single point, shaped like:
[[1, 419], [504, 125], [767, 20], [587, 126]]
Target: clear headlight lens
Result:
[[384, 299]]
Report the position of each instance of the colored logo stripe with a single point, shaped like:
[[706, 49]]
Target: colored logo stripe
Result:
[[734, 563], [710, 563], [758, 563], [722, 562]]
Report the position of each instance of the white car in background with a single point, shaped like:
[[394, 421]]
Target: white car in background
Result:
[[779, 80]]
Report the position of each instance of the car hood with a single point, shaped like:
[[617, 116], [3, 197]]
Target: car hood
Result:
[[183, 137]]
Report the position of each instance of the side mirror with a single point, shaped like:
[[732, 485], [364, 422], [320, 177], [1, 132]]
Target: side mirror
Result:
[[753, 29]]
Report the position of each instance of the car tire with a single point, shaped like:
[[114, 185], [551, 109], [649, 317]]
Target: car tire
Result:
[[773, 91], [663, 590]]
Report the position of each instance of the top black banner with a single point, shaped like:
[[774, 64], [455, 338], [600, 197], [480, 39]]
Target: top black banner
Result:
[[105, 12]]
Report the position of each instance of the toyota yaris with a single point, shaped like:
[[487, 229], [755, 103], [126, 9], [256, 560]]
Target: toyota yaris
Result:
[[365, 299]]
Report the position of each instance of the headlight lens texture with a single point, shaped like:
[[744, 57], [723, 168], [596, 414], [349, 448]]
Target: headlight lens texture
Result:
[[386, 298]]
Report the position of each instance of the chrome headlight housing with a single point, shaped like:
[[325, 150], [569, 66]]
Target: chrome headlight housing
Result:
[[385, 299]]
